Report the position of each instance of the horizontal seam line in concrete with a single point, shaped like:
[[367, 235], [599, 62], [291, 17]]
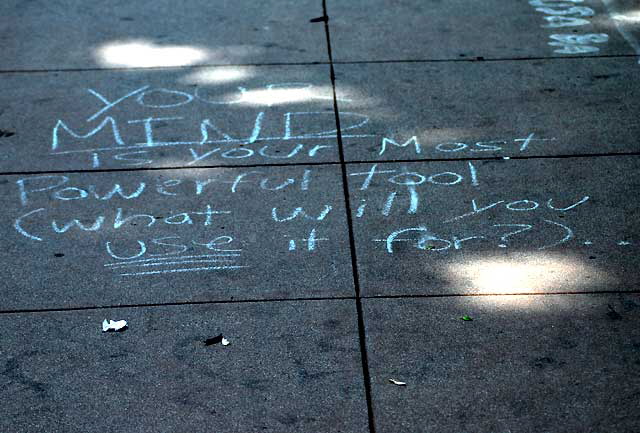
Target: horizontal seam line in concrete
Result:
[[312, 299], [329, 163], [476, 59]]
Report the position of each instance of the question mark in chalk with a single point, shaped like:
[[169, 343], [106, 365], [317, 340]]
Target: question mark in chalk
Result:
[[505, 236]]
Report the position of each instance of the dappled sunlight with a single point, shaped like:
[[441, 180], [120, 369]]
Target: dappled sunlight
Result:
[[628, 17], [195, 173], [528, 304], [526, 273], [625, 22], [218, 75], [283, 94], [145, 54]]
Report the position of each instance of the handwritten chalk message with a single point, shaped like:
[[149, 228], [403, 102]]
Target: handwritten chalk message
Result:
[[264, 132], [197, 224], [243, 225], [138, 142], [569, 15], [411, 192], [169, 223]]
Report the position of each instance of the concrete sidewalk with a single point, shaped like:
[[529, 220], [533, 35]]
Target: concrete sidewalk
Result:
[[439, 193]]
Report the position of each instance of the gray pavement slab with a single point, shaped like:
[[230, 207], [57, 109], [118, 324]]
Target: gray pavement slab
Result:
[[290, 367], [140, 237], [161, 33], [523, 364], [168, 118], [466, 29], [488, 109], [506, 226]]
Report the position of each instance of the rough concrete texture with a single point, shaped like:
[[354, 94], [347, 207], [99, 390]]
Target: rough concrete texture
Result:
[[169, 236], [523, 364], [289, 367], [507, 226], [333, 197], [44, 34], [492, 109], [466, 29], [167, 118]]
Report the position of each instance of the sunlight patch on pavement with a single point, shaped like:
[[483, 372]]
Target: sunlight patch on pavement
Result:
[[145, 54], [526, 273]]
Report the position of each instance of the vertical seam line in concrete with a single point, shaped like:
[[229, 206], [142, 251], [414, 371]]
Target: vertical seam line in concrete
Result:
[[352, 244]]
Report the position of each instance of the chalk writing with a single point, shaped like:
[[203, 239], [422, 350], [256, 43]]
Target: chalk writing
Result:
[[136, 142], [521, 145], [426, 240], [144, 243], [57, 187], [407, 178], [516, 205], [119, 219], [565, 13]]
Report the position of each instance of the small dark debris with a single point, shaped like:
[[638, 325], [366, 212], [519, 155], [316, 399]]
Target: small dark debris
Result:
[[322, 19], [213, 340], [480, 58], [592, 257], [548, 90], [603, 76], [544, 362], [58, 254], [5, 134], [612, 313]]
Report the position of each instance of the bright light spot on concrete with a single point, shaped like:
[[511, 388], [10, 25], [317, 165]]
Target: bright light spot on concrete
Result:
[[145, 54], [526, 273], [285, 95], [628, 17], [218, 75]]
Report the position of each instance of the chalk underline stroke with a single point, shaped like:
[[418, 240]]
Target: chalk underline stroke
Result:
[[144, 146], [172, 258], [179, 262], [171, 271]]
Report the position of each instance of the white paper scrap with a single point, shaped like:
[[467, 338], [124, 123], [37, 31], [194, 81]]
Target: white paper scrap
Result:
[[113, 325], [397, 382]]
